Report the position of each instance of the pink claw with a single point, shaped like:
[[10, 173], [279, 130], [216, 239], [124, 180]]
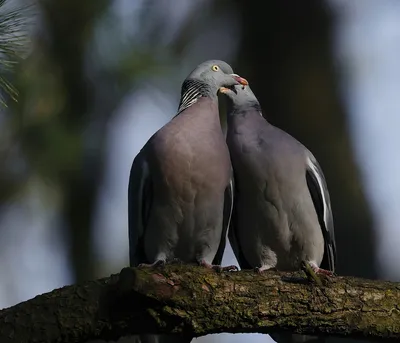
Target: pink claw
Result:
[[318, 270], [217, 267]]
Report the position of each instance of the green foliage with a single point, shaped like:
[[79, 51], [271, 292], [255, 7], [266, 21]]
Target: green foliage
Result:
[[14, 43]]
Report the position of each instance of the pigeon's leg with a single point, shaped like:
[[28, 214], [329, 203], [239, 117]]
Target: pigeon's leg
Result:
[[260, 270], [157, 263], [216, 267], [160, 260], [319, 270]]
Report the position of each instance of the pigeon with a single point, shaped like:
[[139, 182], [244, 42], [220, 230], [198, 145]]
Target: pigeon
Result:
[[180, 187], [282, 216]]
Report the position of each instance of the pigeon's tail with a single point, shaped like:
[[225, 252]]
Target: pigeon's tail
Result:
[[291, 338], [159, 339]]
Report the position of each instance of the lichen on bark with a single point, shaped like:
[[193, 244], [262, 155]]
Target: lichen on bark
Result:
[[194, 301]]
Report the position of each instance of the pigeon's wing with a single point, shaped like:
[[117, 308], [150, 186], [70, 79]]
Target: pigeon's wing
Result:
[[320, 196], [139, 202], [237, 250], [226, 222]]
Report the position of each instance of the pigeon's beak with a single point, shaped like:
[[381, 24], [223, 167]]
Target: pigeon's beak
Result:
[[240, 79], [223, 90]]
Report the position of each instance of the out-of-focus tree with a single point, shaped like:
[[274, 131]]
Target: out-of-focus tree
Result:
[[55, 116], [79, 70]]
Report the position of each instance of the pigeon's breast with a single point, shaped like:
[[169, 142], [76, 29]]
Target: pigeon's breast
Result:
[[193, 161], [190, 170]]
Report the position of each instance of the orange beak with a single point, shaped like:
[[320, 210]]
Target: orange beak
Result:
[[240, 79]]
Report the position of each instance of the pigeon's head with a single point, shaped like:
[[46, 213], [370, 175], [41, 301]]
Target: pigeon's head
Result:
[[238, 98], [214, 74], [205, 80]]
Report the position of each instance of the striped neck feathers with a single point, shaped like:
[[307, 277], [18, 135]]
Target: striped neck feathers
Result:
[[192, 90]]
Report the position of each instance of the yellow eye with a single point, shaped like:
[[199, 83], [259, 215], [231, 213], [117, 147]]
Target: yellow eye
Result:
[[215, 67]]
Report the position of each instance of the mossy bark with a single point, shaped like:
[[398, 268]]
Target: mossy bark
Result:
[[194, 301]]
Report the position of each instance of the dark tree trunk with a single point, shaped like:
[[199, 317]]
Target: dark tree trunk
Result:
[[70, 26]]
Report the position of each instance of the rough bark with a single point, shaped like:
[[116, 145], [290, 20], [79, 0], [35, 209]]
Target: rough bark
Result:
[[194, 301]]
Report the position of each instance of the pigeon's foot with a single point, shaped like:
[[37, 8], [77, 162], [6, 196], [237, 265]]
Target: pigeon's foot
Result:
[[231, 268], [157, 263], [321, 271], [260, 270], [312, 271], [218, 268]]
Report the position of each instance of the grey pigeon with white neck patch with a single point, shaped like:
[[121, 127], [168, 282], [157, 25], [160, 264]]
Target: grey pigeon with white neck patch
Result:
[[282, 214], [180, 190]]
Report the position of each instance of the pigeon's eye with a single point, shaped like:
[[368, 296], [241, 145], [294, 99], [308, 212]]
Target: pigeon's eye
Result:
[[215, 67]]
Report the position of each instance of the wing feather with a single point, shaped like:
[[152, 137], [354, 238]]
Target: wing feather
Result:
[[227, 217], [233, 240], [319, 193], [139, 201]]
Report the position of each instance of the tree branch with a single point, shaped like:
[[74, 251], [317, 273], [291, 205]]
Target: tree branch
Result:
[[194, 301]]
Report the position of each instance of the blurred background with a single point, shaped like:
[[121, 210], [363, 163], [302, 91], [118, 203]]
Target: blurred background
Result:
[[85, 84]]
